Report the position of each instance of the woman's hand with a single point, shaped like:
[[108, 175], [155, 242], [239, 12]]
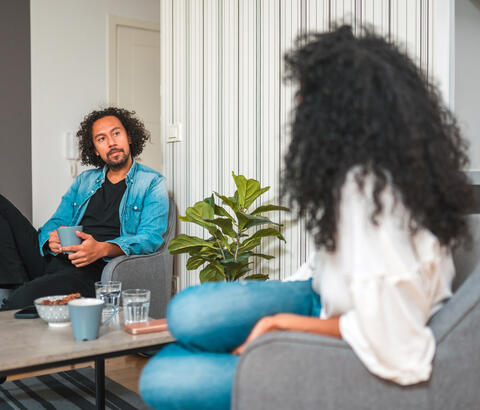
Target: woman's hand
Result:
[[265, 325], [289, 321]]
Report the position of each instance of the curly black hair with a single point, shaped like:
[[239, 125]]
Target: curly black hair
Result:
[[363, 102], [135, 130]]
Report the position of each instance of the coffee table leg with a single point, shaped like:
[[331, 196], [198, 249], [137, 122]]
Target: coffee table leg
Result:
[[100, 383]]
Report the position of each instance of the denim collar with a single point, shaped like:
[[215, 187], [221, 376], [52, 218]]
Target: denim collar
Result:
[[130, 174]]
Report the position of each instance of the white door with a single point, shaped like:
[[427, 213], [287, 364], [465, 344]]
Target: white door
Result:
[[135, 78]]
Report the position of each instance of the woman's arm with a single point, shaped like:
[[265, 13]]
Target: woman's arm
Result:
[[288, 321]]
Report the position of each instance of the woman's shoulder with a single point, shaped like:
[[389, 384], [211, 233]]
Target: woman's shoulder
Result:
[[386, 235]]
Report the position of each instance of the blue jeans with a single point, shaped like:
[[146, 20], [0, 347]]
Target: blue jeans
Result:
[[208, 322]]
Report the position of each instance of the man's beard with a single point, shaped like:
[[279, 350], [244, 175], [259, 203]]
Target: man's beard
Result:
[[120, 162]]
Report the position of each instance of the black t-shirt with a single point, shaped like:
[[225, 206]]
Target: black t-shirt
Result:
[[101, 218]]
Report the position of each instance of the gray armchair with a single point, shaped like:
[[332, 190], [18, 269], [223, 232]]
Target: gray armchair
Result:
[[290, 370], [152, 271]]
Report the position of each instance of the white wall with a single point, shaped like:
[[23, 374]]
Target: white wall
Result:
[[222, 76], [467, 76], [69, 79]]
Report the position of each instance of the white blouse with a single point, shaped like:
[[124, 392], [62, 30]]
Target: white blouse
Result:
[[383, 282]]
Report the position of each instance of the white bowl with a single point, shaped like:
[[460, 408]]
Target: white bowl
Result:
[[54, 315]]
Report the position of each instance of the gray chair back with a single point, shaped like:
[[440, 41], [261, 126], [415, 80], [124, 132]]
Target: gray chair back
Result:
[[457, 332], [172, 224], [466, 284], [153, 271], [162, 267], [467, 258]]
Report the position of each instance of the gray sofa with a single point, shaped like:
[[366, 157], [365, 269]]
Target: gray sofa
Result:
[[290, 370], [152, 271]]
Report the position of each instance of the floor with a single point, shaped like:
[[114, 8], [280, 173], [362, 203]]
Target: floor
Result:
[[125, 370]]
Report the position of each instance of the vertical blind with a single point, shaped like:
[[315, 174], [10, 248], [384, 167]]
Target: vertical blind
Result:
[[222, 79]]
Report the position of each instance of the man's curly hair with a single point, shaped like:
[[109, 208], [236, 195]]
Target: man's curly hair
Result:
[[135, 130], [362, 102]]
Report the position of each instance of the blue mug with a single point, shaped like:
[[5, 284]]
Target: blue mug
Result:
[[86, 317], [68, 236]]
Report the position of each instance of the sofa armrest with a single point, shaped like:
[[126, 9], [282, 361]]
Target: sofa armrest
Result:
[[152, 272], [291, 370]]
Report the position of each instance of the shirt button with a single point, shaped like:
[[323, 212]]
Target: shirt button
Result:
[[91, 191], [135, 208], [74, 204]]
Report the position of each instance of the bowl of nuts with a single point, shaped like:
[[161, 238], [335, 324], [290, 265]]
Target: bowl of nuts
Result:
[[54, 309]]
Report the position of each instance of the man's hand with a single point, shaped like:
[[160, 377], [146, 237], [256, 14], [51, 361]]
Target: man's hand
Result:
[[90, 250], [87, 252], [54, 242]]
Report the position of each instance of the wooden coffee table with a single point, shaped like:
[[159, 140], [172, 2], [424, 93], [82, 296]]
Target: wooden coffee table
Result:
[[30, 344]]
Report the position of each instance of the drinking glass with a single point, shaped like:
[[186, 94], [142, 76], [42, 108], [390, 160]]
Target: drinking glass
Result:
[[136, 304], [109, 292]]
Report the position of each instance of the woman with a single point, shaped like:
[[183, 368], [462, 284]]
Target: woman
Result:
[[374, 166]]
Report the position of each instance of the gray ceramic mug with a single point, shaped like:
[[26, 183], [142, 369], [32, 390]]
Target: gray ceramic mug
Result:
[[68, 237], [86, 317]]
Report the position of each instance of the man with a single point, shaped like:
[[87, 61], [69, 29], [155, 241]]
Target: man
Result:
[[122, 205]]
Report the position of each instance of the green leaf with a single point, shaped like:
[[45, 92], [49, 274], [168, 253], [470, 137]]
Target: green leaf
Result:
[[268, 208], [241, 258], [226, 226], [195, 261], [242, 220], [232, 270], [253, 186], [195, 250], [231, 202], [220, 240], [183, 243], [184, 218], [253, 192], [256, 276], [218, 235], [263, 233], [209, 252], [199, 212], [263, 256], [210, 200], [246, 221], [250, 243], [241, 183], [242, 272], [220, 211], [211, 273]]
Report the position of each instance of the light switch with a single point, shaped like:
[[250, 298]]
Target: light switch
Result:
[[174, 132]]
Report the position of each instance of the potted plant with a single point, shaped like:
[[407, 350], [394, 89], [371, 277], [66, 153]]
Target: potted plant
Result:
[[227, 252]]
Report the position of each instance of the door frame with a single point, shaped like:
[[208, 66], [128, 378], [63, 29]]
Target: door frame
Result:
[[114, 22]]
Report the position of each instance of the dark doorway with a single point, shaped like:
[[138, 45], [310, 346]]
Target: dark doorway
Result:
[[15, 103]]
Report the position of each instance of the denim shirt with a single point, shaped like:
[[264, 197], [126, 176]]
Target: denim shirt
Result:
[[143, 210]]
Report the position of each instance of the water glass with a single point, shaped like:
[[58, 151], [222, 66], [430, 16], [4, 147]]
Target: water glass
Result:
[[109, 292], [136, 304]]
